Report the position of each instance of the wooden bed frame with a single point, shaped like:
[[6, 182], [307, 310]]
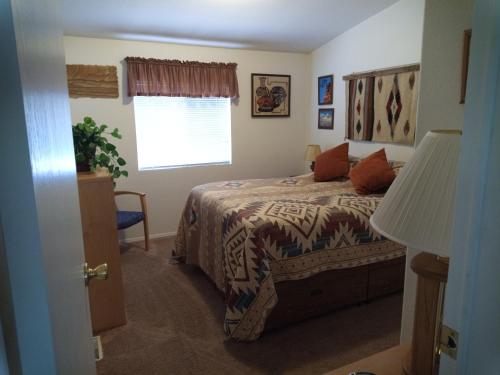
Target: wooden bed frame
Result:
[[332, 290]]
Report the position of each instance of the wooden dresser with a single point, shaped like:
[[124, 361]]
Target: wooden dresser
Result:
[[100, 238]]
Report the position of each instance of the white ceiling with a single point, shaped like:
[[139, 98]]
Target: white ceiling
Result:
[[277, 25]]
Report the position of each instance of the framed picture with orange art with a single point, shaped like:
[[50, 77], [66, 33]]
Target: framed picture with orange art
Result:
[[270, 95]]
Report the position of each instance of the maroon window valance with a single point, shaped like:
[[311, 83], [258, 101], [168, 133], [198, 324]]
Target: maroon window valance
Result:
[[154, 77]]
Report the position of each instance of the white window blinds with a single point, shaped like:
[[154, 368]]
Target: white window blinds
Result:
[[179, 131]]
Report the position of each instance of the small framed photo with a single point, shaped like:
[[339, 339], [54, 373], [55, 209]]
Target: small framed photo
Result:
[[325, 90], [465, 64], [270, 95], [325, 118]]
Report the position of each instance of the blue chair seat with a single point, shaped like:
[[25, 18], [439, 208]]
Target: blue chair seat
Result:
[[126, 219]]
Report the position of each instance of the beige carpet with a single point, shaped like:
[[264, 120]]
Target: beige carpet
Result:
[[175, 327]]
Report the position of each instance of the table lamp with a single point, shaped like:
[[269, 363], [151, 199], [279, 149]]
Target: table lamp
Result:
[[418, 211], [312, 151]]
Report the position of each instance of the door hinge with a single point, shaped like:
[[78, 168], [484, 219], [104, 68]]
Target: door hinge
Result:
[[448, 342]]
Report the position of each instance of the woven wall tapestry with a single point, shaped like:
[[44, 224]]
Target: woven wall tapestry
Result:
[[382, 105]]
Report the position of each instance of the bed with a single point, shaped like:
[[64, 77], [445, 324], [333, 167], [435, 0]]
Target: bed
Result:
[[301, 246]]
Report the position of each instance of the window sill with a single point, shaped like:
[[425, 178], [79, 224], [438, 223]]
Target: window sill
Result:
[[183, 166]]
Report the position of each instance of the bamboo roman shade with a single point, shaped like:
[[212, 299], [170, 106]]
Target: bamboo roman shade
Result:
[[154, 77]]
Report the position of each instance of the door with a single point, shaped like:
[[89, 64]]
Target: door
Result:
[[472, 303], [44, 309]]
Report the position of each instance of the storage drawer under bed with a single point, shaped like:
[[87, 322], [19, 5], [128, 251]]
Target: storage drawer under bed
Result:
[[334, 289]]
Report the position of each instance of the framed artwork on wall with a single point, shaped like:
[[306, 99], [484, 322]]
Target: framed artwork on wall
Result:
[[325, 90], [465, 64], [381, 105], [325, 118], [270, 95]]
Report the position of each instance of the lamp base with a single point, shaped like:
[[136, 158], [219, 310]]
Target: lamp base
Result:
[[312, 165]]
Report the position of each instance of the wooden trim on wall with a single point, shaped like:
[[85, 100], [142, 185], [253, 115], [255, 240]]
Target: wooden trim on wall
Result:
[[381, 72], [92, 81]]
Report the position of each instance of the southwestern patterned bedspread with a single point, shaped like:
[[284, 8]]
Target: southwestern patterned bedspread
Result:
[[248, 235]]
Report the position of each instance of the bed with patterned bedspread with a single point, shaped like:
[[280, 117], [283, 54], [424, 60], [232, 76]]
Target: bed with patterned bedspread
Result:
[[248, 235]]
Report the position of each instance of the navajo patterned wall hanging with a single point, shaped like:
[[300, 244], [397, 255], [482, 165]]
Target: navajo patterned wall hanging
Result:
[[382, 105]]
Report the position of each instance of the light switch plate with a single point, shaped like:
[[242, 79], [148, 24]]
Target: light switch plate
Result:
[[449, 341]]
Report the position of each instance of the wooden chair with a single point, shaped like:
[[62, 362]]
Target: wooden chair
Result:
[[126, 219]]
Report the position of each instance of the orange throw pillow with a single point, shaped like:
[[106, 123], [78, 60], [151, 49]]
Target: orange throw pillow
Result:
[[332, 163], [372, 174]]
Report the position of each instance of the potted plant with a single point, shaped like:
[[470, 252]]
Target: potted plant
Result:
[[92, 148]]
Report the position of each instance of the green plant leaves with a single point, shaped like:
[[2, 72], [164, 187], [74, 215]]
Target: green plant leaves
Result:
[[103, 159], [109, 147], [115, 133], [80, 158], [116, 172], [90, 145]]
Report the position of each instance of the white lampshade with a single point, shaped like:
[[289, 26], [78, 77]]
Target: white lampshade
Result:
[[417, 210], [311, 152]]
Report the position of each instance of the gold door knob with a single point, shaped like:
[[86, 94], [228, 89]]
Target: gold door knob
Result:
[[100, 272]]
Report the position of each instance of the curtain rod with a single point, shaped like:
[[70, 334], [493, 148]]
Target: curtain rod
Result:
[[380, 72]]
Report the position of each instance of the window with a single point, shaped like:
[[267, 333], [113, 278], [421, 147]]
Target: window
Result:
[[178, 131]]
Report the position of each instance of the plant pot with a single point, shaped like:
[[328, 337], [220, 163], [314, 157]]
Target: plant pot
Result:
[[84, 166]]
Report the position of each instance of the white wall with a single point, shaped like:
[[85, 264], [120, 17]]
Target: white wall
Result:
[[445, 22], [396, 36], [439, 108], [261, 147], [390, 38]]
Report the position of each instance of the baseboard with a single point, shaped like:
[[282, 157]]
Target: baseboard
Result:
[[151, 237]]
